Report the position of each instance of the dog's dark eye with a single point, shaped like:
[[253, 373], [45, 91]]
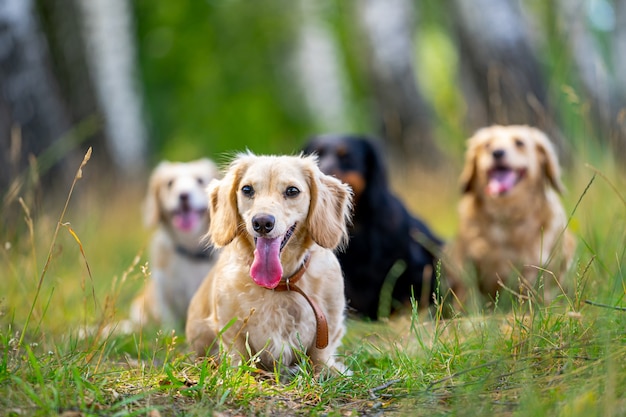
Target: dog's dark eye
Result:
[[291, 192], [247, 190], [200, 181], [170, 183], [519, 143]]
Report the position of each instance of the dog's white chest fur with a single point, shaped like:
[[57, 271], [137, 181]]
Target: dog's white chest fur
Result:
[[280, 322]]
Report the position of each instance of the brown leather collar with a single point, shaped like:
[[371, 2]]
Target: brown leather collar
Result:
[[289, 284]]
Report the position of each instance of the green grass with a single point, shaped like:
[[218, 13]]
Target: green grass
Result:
[[66, 270]]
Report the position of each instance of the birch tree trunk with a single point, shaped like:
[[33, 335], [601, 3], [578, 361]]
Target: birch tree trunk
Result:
[[404, 117], [619, 64], [499, 67], [319, 71], [111, 56], [32, 112], [603, 86]]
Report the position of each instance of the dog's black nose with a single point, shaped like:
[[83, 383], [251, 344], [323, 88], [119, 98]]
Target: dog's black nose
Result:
[[498, 154], [184, 197], [263, 223]]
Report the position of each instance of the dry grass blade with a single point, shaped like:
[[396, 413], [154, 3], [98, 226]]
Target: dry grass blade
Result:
[[82, 252], [608, 181], [595, 304], [68, 226], [31, 229], [79, 174]]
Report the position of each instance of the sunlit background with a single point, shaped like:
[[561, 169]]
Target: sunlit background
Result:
[[146, 80]]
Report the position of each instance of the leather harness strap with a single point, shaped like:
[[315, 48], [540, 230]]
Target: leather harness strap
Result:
[[289, 284]]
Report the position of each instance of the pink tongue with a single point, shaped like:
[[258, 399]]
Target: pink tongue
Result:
[[186, 221], [501, 181], [266, 269]]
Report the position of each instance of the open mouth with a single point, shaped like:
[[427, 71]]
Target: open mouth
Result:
[[502, 179], [266, 269], [187, 219]]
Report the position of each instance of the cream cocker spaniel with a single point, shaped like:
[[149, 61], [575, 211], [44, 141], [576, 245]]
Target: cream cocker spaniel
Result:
[[277, 288], [177, 204]]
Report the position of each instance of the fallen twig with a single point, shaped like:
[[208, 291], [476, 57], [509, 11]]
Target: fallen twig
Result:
[[593, 303], [381, 387]]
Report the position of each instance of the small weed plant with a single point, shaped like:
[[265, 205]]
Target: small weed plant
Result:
[[521, 356]]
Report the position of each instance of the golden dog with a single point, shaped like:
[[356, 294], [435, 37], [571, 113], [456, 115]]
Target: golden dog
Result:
[[177, 203], [512, 224], [277, 287]]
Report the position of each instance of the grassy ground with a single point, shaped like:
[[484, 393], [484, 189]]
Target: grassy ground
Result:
[[564, 359]]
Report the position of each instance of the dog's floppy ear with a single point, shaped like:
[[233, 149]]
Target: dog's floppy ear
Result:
[[224, 225], [330, 208], [548, 159], [376, 174], [152, 206], [468, 175]]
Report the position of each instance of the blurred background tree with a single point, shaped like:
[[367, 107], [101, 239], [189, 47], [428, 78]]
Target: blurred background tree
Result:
[[144, 80]]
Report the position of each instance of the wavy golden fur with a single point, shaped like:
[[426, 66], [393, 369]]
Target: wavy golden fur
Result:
[[310, 222], [512, 223]]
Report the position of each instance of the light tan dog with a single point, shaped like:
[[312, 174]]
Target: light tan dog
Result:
[[512, 223], [177, 203], [277, 279]]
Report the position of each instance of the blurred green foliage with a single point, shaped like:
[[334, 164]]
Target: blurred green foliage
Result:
[[215, 79], [219, 75]]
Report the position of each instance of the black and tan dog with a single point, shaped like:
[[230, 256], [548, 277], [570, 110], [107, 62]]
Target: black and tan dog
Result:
[[390, 252]]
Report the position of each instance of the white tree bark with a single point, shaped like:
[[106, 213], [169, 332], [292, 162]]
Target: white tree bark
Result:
[[592, 69], [497, 53], [388, 27], [111, 54], [500, 69], [604, 88], [619, 47], [319, 71], [29, 95]]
